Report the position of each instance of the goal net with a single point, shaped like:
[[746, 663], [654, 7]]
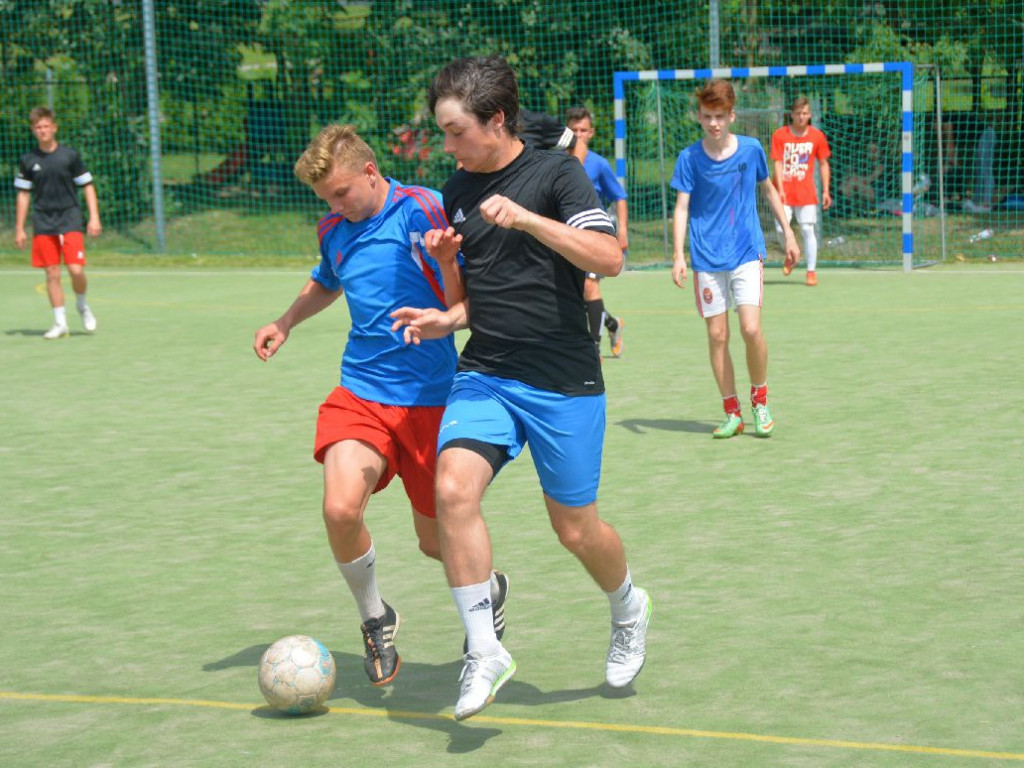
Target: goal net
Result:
[[866, 112]]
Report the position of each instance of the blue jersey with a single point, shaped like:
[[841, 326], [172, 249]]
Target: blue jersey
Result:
[[725, 230], [599, 171], [382, 264]]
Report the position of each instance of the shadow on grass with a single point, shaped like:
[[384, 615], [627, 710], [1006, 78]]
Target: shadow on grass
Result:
[[423, 695], [267, 712], [638, 426], [40, 331]]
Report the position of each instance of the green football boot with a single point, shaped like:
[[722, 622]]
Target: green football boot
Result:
[[764, 424], [732, 426]]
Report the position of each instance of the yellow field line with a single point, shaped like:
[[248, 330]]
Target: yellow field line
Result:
[[573, 725]]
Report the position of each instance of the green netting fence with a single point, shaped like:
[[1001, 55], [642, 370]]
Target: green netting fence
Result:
[[243, 84]]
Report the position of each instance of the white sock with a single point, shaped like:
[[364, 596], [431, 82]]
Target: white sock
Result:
[[810, 246], [477, 613], [361, 576], [82, 306], [624, 602], [60, 315]]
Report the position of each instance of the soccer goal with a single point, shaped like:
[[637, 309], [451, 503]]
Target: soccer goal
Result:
[[865, 110]]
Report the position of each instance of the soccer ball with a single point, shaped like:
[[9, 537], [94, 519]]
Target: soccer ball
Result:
[[296, 674]]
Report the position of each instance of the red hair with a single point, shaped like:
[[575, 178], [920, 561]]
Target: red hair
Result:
[[717, 94]]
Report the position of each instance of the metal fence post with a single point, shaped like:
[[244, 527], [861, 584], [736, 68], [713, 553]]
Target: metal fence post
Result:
[[153, 104]]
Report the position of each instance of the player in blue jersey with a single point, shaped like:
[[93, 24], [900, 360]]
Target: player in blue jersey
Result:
[[717, 180], [383, 418], [530, 226], [52, 174], [610, 191]]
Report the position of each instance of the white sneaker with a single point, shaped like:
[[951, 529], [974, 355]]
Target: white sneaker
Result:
[[88, 320], [57, 332], [482, 677], [628, 649]]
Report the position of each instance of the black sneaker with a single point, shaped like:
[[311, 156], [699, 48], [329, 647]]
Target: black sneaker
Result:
[[497, 610], [382, 661]]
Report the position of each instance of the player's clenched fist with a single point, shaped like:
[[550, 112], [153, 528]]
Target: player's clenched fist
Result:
[[499, 210]]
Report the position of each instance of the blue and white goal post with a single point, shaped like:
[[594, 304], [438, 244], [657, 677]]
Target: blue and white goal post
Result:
[[904, 68]]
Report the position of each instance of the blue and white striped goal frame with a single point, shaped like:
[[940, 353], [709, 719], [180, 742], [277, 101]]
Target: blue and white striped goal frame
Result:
[[905, 68]]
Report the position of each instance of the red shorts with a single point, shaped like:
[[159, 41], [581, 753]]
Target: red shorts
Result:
[[48, 249], [405, 435]]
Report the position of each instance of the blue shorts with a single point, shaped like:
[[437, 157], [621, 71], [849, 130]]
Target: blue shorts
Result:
[[566, 434]]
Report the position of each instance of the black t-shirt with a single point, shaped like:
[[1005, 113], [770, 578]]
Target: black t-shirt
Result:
[[526, 310], [54, 179]]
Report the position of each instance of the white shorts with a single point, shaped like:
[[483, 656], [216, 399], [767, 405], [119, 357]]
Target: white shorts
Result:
[[715, 291], [805, 214]]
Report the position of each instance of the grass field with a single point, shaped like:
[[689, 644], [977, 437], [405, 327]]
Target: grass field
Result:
[[847, 593]]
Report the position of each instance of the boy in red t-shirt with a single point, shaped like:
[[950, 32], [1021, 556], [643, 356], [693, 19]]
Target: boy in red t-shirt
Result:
[[794, 150]]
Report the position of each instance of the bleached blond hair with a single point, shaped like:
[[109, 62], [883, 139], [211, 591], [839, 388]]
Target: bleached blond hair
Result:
[[336, 146]]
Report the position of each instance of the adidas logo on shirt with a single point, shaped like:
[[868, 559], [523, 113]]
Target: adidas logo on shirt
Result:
[[37, 167], [459, 217]]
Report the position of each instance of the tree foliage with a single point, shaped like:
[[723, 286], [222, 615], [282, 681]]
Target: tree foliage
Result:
[[371, 62]]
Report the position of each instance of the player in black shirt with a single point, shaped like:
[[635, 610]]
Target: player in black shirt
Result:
[[530, 226], [53, 173]]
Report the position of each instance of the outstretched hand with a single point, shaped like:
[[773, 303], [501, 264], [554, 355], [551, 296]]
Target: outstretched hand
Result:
[[418, 324]]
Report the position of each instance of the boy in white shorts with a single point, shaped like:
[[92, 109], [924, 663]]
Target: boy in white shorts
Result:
[[717, 179], [795, 147]]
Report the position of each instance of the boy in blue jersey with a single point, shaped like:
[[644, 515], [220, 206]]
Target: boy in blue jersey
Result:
[[530, 226], [383, 418], [609, 190], [717, 180]]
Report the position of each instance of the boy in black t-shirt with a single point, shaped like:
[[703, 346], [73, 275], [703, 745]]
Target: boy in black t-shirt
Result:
[[52, 174], [530, 226]]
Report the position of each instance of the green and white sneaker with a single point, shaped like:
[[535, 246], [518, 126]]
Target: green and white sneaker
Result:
[[764, 424], [732, 426], [482, 677]]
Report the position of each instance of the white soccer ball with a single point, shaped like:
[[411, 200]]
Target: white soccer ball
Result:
[[296, 674]]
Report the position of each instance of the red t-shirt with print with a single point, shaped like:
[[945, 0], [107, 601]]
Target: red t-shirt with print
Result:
[[797, 155]]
